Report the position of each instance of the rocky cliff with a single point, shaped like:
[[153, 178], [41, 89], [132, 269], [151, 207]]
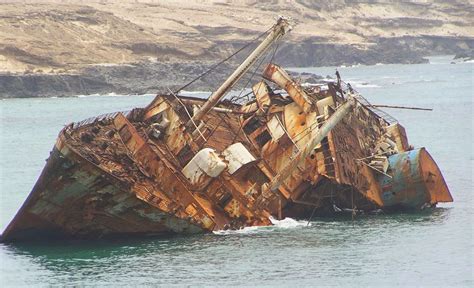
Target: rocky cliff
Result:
[[61, 48]]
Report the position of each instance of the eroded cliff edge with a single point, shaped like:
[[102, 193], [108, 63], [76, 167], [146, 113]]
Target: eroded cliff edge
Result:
[[64, 48]]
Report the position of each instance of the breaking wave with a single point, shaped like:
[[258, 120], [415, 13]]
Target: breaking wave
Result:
[[112, 94], [360, 84], [287, 223], [200, 94], [87, 96]]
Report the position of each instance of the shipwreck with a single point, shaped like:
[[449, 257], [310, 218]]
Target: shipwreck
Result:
[[186, 165]]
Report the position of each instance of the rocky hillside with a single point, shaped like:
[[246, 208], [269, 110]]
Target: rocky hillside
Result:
[[83, 47]]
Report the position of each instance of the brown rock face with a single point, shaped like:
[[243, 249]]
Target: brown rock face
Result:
[[68, 37]]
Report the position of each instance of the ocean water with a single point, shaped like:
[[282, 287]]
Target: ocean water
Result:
[[426, 249]]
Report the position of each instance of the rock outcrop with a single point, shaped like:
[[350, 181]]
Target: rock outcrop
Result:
[[67, 47]]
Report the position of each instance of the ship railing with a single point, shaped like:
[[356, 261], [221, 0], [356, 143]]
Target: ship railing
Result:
[[362, 100], [106, 116]]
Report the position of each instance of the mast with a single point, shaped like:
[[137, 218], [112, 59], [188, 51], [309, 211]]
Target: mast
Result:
[[279, 29]]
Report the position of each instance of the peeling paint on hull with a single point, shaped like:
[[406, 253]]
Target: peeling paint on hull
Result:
[[74, 199], [416, 181]]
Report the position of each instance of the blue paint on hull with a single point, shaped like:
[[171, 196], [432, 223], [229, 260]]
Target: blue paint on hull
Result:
[[407, 187]]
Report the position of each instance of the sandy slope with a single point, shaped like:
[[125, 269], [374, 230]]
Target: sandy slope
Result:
[[70, 47], [59, 36]]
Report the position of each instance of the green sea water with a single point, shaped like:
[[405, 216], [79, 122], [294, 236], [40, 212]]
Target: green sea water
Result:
[[426, 249]]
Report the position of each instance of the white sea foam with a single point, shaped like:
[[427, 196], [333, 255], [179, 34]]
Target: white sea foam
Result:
[[245, 230], [86, 96], [287, 223], [359, 84], [185, 92], [112, 94], [328, 79]]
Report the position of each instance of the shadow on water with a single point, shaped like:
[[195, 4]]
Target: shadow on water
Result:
[[137, 246], [99, 260], [85, 256], [101, 248]]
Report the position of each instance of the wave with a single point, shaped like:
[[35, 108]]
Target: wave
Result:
[[367, 86], [86, 96], [360, 84], [193, 92], [287, 223], [420, 81], [112, 94]]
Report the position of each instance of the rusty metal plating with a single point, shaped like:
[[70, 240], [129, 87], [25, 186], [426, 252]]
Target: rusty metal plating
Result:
[[293, 151]]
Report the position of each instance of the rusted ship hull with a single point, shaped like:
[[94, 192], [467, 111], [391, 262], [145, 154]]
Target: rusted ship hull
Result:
[[74, 198], [187, 165], [79, 196], [416, 181]]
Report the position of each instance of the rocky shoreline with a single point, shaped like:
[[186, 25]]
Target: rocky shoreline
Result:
[[158, 77], [64, 48], [141, 78]]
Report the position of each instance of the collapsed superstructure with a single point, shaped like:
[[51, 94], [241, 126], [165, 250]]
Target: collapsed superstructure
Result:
[[189, 165]]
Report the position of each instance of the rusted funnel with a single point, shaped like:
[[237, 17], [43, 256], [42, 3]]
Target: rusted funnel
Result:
[[416, 181]]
